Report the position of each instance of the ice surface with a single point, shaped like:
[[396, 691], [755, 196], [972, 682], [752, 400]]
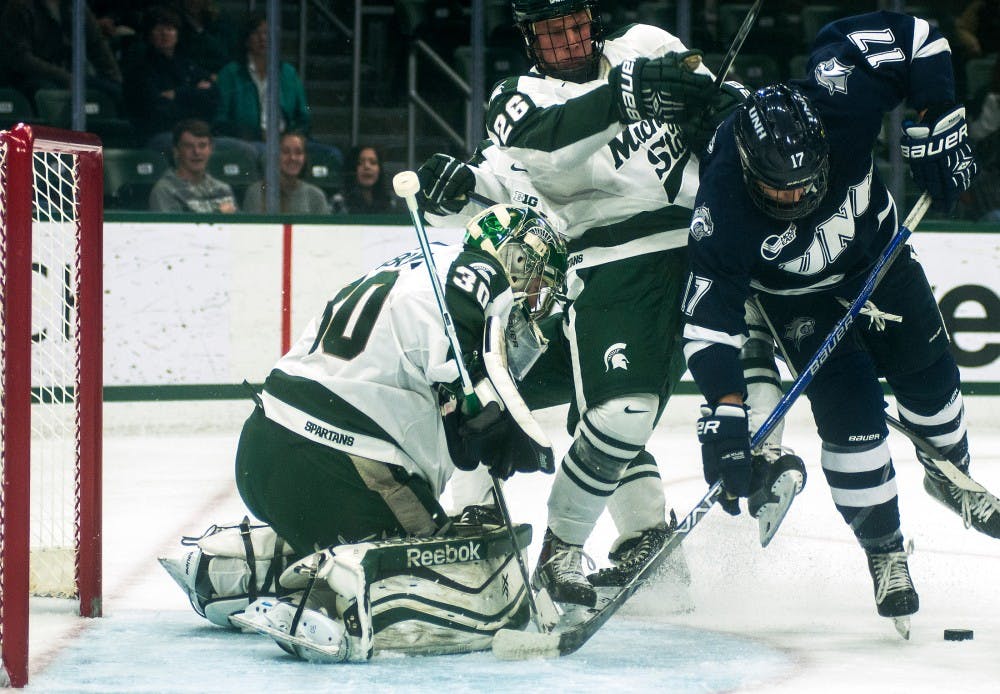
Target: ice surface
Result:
[[798, 616]]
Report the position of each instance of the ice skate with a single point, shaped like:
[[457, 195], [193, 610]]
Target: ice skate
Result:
[[781, 480], [317, 637], [630, 556], [560, 570], [979, 510], [895, 596], [480, 517]]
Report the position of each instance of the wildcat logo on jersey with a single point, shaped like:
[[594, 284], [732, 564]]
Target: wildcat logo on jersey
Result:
[[799, 329], [833, 75], [614, 357], [701, 223], [772, 246]]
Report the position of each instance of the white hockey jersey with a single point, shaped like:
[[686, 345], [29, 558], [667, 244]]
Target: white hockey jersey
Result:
[[362, 377], [614, 190]]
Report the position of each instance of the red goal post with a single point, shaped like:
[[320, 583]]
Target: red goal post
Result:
[[51, 210]]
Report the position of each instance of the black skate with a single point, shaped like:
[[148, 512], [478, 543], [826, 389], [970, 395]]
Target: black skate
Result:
[[895, 596], [631, 556], [484, 516], [560, 571], [780, 481], [978, 509]]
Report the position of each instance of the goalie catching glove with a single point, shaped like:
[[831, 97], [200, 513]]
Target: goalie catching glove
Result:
[[724, 434], [940, 157], [445, 182], [665, 89]]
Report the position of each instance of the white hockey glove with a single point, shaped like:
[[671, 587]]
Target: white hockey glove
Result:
[[445, 182], [940, 157], [665, 89]]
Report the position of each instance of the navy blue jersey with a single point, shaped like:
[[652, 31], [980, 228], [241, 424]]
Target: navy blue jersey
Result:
[[859, 69]]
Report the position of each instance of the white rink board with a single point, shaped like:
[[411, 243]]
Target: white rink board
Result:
[[200, 304]]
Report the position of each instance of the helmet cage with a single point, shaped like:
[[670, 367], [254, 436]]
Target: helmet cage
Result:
[[532, 254], [582, 69]]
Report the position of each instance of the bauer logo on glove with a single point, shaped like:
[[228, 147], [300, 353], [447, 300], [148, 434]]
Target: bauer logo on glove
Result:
[[940, 157]]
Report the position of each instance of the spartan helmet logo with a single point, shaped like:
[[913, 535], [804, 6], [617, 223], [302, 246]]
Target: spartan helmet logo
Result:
[[799, 329], [614, 357]]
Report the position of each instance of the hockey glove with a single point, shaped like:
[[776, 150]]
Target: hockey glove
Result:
[[700, 129], [940, 157], [445, 183], [724, 434], [492, 437], [664, 89]]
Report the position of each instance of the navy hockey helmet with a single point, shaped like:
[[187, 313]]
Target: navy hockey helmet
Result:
[[783, 147], [571, 54], [530, 250]]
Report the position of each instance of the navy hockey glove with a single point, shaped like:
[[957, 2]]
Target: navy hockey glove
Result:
[[665, 89], [940, 157], [445, 182], [493, 437], [700, 129], [724, 434]]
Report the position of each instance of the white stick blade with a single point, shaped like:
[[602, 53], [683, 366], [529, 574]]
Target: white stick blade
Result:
[[509, 644], [406, 183]]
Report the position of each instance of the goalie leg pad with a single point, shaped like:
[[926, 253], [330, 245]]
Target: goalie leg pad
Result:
[[230, 567], [432, 596]]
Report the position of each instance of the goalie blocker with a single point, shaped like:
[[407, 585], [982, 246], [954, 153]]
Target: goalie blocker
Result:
[[425, 596]]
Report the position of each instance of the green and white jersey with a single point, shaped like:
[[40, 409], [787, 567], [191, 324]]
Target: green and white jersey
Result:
[[362, 377], [615, 190]]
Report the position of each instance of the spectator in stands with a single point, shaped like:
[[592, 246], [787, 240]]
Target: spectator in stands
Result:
[[206, 36], [162, 87], [242, 90], [366, 192], [189, 187], [297, 196], [977, 28], [37, 47], [119, 21]]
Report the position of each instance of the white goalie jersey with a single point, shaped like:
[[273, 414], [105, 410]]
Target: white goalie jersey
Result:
[[362, 377]]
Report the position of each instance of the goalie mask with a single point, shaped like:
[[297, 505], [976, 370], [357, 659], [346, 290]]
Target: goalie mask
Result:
[[783, 152], [531, 252], [563, 38]]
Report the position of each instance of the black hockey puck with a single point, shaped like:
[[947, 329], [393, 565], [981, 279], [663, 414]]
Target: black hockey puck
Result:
[[958, 634]]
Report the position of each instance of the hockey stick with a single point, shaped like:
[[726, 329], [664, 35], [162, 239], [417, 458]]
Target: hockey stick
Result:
[[945, 466], [738, 41], [514, 645], [406, 184]]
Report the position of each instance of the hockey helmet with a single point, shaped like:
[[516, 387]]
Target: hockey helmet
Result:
[[532, 253], [783, 147], [573, 58]]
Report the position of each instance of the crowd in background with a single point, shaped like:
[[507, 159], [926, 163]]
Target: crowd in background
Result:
[[158, 65]]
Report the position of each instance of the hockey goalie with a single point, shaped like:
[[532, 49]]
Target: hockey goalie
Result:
[[357, 431]]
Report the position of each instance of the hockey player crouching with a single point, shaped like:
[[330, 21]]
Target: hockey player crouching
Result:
[[353, 439]]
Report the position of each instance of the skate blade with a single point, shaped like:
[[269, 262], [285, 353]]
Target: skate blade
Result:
[[295, 645], [770, 516], [902, 625]]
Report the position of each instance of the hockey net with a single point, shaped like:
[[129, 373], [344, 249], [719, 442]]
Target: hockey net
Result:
[[50, 396]]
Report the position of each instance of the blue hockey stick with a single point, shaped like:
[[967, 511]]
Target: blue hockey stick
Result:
[[509, 644]]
